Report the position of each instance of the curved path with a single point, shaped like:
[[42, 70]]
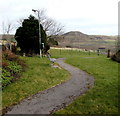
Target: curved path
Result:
[[56, 97]]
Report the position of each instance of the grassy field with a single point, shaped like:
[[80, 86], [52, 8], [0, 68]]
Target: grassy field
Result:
[[38, 77], [103, 97]]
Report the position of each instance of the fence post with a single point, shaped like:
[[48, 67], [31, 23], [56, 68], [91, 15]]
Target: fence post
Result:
[[98, 52], [108, 54]]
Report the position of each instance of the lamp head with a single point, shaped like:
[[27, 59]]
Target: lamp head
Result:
[[34, 10]]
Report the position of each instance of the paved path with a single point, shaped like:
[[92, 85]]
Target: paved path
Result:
[[56, 97]]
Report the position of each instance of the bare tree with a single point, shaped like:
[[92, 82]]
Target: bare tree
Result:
[[50, 26], [7, 27], [20, 21], [3, 27]]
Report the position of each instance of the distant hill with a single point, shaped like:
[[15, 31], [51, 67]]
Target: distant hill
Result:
[[80, 40]]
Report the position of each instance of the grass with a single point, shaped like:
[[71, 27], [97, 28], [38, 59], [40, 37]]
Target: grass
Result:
[[38, 77], [59, 53], [103, 97]]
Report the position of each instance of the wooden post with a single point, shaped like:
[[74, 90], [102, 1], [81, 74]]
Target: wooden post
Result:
[[108, 54], [98, 52], [89, 52]]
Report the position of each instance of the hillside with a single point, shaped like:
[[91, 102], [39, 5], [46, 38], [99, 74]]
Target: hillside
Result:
[[80, 40]]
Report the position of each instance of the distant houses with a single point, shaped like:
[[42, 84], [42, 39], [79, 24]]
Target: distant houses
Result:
[[7, 42]]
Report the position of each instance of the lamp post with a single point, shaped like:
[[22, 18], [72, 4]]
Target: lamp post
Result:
[[39, 30]]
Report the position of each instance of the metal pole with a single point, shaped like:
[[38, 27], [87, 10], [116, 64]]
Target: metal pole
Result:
[[39, 31], [39, 35]]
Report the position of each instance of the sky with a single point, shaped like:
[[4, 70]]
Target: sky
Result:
[[93, 17]]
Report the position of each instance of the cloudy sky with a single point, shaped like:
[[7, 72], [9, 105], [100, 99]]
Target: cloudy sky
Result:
[[98, 17]]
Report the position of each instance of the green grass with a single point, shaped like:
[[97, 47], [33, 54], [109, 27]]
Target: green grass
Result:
[[38, 77], [70, 53], [103, 97]]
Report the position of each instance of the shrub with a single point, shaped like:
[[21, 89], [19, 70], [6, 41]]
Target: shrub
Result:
[[14, 68], [8, 55], [6, 77], [116, 56], [3, 64], [21, 63], [11, 68]]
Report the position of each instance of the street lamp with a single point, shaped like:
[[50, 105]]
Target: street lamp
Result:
[[39, 30]]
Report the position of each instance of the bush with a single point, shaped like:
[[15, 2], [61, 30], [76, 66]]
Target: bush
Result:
[[21, 63], [6, 77], [4, 64], [11, 68], [8, 55], [14, 68], [116, 56]]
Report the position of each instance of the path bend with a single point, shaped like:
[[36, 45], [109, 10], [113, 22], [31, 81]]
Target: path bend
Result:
[[55, 98]]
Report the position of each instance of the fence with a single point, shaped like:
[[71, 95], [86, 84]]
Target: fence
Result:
[[99, 51]]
